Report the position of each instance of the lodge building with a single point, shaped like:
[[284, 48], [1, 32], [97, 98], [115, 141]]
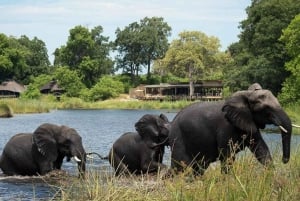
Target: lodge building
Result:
[[203, 90]]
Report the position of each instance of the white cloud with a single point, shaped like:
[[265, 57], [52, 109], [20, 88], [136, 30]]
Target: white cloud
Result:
[[51, 20]]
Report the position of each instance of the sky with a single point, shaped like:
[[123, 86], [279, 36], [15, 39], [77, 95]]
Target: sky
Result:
[[51, 20]]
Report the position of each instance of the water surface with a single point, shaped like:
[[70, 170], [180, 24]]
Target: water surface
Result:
[[98, 128]]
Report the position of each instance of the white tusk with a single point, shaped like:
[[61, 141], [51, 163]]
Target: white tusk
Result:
[[89, 156], [295, 125], [283, 129], [77, 159]]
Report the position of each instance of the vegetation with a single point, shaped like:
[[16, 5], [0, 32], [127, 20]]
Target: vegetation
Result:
[[259, 55], [279, 183], [141, 43], [194, 56], [5, 110]]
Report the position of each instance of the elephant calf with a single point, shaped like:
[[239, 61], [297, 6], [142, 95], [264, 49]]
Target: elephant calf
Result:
[[42, 151], [141, 151]]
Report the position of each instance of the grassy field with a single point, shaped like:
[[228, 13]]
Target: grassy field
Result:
[[248, 181]]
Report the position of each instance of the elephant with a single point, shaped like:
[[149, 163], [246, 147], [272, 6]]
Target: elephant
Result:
[[205, 132], [42, 151], [142, 151]]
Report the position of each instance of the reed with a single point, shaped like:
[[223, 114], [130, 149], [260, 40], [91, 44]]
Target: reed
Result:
[[5, 110], [248, 180]]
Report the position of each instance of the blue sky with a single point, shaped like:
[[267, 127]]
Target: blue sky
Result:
[[51, 20]]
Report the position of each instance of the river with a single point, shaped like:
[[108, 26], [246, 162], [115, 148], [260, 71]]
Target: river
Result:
[[98, 128]]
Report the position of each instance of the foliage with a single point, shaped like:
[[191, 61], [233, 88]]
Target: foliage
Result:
[[248, 180], [258, 55], [69, 80], [22, 58], [291, 38], [106, 88], [87, 52], [139, 44], [194, 56], [33, 89]]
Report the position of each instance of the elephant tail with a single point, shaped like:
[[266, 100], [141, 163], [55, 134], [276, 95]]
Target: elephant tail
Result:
[[101, 157]]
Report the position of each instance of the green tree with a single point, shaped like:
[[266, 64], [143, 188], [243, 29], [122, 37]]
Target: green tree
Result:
[[33, 89], [194, 56], [261, 56], [106, 88], [69, 80], [139, 44], [21, 59], [291, 39], [37, 59], [87, 52]]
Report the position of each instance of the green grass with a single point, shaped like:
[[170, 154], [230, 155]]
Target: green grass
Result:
[[247, 181]]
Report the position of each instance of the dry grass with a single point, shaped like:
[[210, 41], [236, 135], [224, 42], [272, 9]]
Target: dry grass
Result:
[[247, 181]]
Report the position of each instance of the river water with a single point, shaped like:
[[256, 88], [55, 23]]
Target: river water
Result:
[[98, 128]]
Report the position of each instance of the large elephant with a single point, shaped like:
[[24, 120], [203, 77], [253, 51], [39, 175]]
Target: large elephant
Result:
[[141, 151], [203, 133], [43, 150]]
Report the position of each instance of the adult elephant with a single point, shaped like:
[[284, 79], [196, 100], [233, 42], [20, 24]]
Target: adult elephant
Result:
[[202, 133], [43, 150], [141, 151]]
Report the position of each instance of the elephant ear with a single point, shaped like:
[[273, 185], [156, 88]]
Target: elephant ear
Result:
[[147, 126], [238, 113], [164, 117], [44, 139]]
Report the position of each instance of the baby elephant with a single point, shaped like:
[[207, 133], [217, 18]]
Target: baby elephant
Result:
[[43, 150], [141, 151]]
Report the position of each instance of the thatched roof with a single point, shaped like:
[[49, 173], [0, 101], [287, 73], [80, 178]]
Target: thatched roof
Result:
[[12, 86], [51, 87]]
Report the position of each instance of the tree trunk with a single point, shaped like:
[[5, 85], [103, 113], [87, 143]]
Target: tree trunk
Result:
[[191, 81]]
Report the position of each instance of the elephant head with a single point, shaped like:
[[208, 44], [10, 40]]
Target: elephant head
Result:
[[56, 142], [153, 129], [252, 109]]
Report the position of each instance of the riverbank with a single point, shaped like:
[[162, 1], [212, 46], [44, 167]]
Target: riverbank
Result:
[[48, 103], [248, 180]]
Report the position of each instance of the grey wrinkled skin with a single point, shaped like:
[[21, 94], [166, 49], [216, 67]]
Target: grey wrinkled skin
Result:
[[203, 133], [42, 151], [141, 151]]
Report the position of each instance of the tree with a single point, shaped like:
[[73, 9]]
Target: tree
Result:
[[291, 39], [106, 88], [69, 80], [261, 55], [87, 52], [21, 59], [194, 56], [37, 60], [141, 43]]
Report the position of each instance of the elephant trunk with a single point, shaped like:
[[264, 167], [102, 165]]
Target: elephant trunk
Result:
[[80, 157], [283, 121]]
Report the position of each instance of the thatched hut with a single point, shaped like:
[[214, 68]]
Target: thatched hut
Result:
[[11, 89], [51, 88]]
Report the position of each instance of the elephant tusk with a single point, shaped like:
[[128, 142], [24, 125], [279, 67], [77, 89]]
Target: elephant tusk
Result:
[[89, 156], [283, 129], [295, 125], [77, 159]]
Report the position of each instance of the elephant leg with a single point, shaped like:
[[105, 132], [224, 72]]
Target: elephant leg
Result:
[[117, 163], [261, 151], [58, 163], [227, 159]]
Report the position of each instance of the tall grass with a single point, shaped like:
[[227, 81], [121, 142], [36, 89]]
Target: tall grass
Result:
[[248, 180]]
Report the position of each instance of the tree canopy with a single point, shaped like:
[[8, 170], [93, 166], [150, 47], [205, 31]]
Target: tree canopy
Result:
[[139, 44], [194, 56], [291, 39], [259, 56], [87, 52], [22, 58]]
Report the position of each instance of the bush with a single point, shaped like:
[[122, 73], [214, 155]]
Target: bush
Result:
[[106, 88]]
